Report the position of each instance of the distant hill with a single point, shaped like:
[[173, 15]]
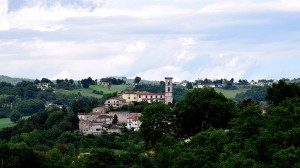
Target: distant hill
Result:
[[12, 80]]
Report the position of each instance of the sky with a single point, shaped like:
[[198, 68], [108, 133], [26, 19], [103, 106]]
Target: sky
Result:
[[184, 39]]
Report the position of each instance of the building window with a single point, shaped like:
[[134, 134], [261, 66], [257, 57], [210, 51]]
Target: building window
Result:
[[168, 82], [139, 96], [146, 96], [151, 96], [169, 89], [128, 97]]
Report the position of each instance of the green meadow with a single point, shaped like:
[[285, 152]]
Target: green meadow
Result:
[[89, 91], [5, 122], [230, 93]]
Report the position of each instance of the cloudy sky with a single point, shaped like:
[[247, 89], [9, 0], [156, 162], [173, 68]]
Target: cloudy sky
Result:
[[186, 39]]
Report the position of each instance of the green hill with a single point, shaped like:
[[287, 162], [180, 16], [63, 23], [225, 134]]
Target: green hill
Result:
[[12, 80], [90, 91]]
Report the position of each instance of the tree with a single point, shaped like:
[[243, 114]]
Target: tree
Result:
[[15, 116], [189, 85], [137, 79], [282, 91], [85, 83], [201, 109], [45, 80], [156, 123], [101, 158], [115, 119]]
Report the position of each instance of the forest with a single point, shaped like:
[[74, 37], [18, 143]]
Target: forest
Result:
[[203, 129]]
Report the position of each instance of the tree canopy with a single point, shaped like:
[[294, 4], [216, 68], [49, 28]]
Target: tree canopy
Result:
[[201, 109], [281, 91]]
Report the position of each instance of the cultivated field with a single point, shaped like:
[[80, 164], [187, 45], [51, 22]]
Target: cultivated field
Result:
[[230, 93], [89, 92]]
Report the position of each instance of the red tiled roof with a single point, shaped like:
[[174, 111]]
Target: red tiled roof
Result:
[[148, 93], [103, 116], [134, 117]]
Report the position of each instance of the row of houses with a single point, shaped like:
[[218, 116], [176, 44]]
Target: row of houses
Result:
[[131, 97], [100, 120]]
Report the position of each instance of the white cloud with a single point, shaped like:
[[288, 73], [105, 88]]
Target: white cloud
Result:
[[138, 47], [160, 73], [62, 75], [248, 6], [153, 39]]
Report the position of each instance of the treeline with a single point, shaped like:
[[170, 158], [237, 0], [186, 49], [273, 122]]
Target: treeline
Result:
[[25, 98], [113, 81], [255, 93]]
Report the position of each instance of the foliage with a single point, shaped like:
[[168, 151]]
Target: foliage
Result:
[[87, 82], [137, 79], [15, 116], [30, 106], [201, 109], [282, 91], [256, 93], [67, 84], [113, 81], [156, 123], [11, 80], [115, 119]]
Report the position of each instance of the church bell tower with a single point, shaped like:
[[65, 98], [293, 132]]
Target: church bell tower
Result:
[[168, 90]]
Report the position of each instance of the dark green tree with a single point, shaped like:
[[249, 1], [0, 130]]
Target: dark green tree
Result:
[[85, 83], [156, 123], [189, 85], [15, 116], [282, 91], [115, 119], [101, 158], [137, 79], [201, 109]]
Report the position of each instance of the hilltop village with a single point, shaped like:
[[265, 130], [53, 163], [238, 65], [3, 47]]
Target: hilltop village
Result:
[[99, 120]]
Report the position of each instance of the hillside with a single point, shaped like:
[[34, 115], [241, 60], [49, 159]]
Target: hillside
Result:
[[12, 80], [92, 91], [230, 93]]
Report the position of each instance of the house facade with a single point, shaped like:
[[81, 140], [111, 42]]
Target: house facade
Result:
[[115, 102], [43, 86], [129, 97], [150, 97], [133, 121]]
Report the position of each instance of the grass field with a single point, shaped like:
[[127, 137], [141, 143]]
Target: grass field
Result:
[[82, 91], [230, 93], [113, 88], [89, 92], [5, 122]]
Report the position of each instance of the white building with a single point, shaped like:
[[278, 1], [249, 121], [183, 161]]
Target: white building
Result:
[[115, 102], [133, 121]]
